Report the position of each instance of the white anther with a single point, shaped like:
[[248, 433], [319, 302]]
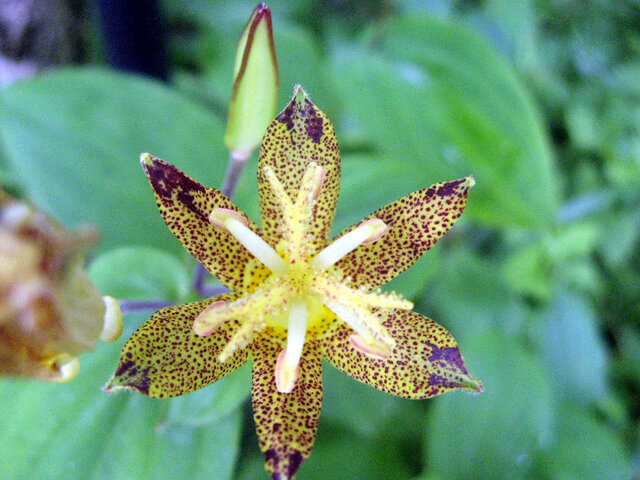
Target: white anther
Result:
[[366, 325], [367, 232], [319, 183], [112, 327], [378, 350], [68, 368], [221, 217], [205, 323], [236, 225]]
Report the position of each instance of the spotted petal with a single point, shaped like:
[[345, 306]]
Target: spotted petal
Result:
[[425, 361], [299, 135], [286, 422], [415, 222], [164, 358], [185, 206]]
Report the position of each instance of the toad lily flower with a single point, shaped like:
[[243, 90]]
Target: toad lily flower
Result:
[[296, 296]]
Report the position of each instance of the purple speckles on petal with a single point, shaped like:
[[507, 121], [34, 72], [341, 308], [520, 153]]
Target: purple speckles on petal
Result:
[[450, 356]]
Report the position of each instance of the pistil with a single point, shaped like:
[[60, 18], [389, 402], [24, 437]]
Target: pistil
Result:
[[297, 216]]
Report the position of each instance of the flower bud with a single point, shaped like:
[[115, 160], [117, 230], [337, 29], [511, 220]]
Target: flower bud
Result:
[[50, 311], [255, 87]]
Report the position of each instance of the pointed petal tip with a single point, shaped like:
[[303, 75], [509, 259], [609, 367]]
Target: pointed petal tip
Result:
[[112, 387], [469, 182], [283, 466], [299, 95], [146, 159], [472, 384]]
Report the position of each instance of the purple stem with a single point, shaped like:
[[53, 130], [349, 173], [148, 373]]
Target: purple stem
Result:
[[237, 162], [132, 306]]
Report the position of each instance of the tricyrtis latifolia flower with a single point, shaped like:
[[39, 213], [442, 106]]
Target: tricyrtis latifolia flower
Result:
[[296, 295]]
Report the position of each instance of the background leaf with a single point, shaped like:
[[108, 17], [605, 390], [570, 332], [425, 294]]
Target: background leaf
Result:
[[141, 273], [74, 137], [50, 430], [512, 415]]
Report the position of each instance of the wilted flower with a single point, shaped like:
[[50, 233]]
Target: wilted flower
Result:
[[50, 311], [296, 296]]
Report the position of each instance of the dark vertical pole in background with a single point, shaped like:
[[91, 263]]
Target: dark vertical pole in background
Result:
[[134, 36]]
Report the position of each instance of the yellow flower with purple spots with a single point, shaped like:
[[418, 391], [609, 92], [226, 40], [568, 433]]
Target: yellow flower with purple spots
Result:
[[296, 296]]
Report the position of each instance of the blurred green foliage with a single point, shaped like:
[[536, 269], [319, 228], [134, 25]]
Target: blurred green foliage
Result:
[[539, 281]]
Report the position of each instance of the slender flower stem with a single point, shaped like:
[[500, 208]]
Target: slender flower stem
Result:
[[237, 162], [200, 277], [132, 306]]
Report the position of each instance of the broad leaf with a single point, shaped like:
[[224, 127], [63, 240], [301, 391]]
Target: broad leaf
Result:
[[74, 138]]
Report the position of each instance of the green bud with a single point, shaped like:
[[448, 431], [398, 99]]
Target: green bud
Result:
[[255, 87]]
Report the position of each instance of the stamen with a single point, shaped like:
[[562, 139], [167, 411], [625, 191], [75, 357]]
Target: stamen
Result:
[[68, 368], [368, 231], [287, 365], [297, 216], [112, 327], [278, 190], [310, 186], [209, 320], [378, 350], [236, 225], [363, 322], [285, 379], [267, 300]]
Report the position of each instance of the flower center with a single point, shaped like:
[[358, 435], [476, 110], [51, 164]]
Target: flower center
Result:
[[304, 289]]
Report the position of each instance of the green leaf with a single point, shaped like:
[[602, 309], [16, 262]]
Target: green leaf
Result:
[[437, 103], [140, 273], [74, 138], [518, 24], [376, 415], [574, 351], [213, 403], [339, 453], [75, 430], [468, 296], [584, 449], [142, 445], [494, 434]]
